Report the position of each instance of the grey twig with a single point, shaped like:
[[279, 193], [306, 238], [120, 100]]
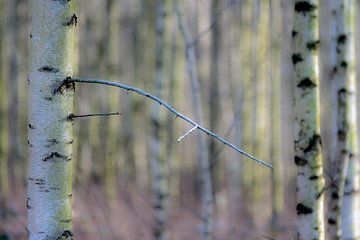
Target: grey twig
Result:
[[171, 109], [187, 133], [72, 116]]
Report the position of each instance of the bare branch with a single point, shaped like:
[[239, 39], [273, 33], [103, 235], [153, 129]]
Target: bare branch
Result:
[[187, 133], [72, 116], [171, 109]]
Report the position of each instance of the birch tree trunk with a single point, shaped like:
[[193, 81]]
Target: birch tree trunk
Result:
[[207, 200], [347, 102], [308, 158], [157, 159], [49, 128]]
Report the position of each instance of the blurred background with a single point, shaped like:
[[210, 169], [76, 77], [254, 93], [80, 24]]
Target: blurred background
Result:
[[243, 60]]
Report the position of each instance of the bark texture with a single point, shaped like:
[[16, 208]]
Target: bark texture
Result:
[[49, 127], [308, 158]]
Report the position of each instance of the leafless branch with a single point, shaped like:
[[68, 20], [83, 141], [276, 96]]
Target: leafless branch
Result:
[[171, 109], [72, 116]]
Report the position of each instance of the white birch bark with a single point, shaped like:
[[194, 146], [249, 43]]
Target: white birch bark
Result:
[[308, 159], [50, 130], [350, 221]]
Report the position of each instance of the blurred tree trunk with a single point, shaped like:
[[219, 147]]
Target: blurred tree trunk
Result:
[[235, 67], [347, 122], [158, 160], [12, 29], [207, 201], [4, 177], [275, 121], [308, 157], [214, 91], [50, 129]]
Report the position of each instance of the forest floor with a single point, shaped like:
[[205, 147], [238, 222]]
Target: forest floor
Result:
[[129, 217]]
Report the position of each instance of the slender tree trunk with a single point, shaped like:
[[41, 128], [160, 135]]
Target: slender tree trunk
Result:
[[214, 95], [49, 128], [157, 159], [308, 158], [12, 76], [207, 201], [4, 177], [347, 123], [275, 121]]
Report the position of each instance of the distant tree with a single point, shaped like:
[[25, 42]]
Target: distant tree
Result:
[[308, 157]]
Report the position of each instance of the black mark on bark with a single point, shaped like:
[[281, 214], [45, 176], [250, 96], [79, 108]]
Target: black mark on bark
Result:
[[313, 45], [48, 68], [31, 126], [294, 33], [56, 155], [306, 83], [300, 161], [342, 39], [314, 143], [66, 235], [296, 57], [302, 209], [331, 221], [72, 21], [304, 7]]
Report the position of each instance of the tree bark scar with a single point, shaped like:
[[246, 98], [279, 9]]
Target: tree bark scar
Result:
[[302, 209], [306, 83], [66, 235], [56, 155], [72, 21], [48, 68], [296, 57], [304, 7]]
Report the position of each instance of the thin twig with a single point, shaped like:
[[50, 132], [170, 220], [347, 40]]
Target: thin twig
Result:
[[187, 133], [72, 116], [171, 109]]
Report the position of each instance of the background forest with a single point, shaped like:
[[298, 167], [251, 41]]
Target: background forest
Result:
[[242, 55]]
